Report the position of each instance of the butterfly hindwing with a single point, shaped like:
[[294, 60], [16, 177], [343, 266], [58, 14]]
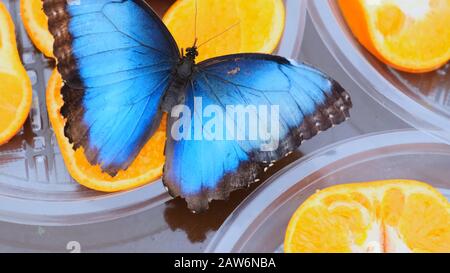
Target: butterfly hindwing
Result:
[[199, 169], [116, 58]]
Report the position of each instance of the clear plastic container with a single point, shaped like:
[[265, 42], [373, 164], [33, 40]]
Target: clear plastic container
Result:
[[35, 187], [259, 223], [421, 100]]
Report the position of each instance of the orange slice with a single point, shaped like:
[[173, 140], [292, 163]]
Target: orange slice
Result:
[[412, 36], [146, 168], [258, 25], [36, 25], [15, 85], [382, 216]]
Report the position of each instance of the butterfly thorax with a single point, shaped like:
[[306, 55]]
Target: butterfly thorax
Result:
[[185, 68]]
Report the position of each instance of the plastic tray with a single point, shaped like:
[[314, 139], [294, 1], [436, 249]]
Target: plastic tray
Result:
[[259, 223], [422, 100], [35, 187]]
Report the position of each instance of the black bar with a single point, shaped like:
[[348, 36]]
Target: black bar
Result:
[[187, 263]]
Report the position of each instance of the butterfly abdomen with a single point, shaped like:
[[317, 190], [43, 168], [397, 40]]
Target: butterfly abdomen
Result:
[[174, 94]]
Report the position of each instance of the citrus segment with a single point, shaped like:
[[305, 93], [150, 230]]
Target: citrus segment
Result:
[[36, 25], [383, 216], [236, 26], [412, 36], [425, 224], [147, 166], [15, 85]]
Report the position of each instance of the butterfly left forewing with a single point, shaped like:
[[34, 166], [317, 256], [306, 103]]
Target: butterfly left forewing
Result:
[[116, 59]]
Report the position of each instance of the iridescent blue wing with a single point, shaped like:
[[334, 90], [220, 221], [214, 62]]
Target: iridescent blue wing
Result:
[[116, 58], [199, 169]]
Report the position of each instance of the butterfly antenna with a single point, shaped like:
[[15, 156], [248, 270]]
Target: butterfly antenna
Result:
[[220, 34], [195, 22]]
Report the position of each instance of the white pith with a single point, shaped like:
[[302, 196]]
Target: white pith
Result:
[[416, 9]]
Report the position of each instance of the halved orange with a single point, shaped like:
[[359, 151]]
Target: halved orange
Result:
[[382, 216], [147, 166], [412, 36], [249, 26], [36, 25], [15, 85]]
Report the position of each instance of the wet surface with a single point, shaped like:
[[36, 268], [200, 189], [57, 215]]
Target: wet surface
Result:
[[160, 6], [197, 226]]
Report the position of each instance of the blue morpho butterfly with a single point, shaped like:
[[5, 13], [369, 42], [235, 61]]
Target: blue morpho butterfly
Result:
[[122, 69]]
